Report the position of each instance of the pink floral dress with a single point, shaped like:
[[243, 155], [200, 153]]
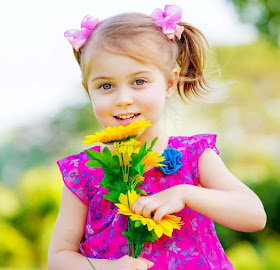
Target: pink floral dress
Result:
[[195, 246]]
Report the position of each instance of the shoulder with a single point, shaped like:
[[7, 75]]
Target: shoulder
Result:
[[196, 143], [75, 160], [192, 148], [78, 177]]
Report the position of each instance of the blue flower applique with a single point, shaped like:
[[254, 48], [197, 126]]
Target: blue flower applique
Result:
[[172, 161]]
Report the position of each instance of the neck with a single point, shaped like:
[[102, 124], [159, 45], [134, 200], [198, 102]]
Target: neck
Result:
[[151, 133]]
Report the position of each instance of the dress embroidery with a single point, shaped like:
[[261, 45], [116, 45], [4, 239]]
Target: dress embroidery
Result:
[[195, 246]]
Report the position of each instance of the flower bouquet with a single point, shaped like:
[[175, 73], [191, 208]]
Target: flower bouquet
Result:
[[123, 169]]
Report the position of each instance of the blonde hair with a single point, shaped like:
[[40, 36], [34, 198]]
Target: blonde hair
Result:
[[137, 36]]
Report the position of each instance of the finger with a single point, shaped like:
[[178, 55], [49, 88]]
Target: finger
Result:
[[160, 212], [140, 264], [148, 209], [149, 263], [138, 206]]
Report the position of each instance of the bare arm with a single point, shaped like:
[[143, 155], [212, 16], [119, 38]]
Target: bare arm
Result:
[[223, 198], [64, 247]]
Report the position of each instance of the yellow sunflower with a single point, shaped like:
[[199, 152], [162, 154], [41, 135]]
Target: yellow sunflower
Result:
[[153, 159], [166, 225], [124, 150], [118, 133]]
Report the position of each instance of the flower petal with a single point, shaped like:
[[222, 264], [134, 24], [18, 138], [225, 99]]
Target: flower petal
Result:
[[123, 199], [166, 225], [158, 231], [118, 133]]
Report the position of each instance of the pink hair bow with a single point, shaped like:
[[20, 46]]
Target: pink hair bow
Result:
[[168, 20], [77, 38]]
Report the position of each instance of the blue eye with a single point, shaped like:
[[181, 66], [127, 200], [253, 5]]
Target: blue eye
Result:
[[109, 86], [105, 86], [141, 81]]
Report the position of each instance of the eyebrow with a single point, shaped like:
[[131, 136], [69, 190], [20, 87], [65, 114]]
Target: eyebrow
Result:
[[132, 74]]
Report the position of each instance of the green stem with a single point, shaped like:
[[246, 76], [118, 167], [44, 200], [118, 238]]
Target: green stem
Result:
[[125, 170], [128, 227], [132, 246], [80, 246], [123, 167], [133, 251], [128, 176]]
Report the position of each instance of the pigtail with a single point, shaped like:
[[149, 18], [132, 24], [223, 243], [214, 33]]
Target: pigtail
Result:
[[137, 36], [193, 48]]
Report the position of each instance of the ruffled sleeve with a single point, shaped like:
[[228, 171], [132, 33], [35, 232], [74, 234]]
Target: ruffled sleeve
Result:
[[197, 144], [75, 174]]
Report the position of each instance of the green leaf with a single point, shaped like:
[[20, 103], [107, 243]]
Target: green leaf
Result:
[[143, 148], [136, 236], [134, 155], [149, 236], [128, 235], [116, 161], [93, 164], [132, 172], [114, 186], [109, 165], [94, 154], [112, 196], [107, 153], [106, 180], [140, 191], [152, 144], [139, 167]]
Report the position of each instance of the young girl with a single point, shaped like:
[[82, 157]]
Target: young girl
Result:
[[129, 66]]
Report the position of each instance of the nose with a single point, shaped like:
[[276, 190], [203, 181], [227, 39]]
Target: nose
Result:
[[124, 97]]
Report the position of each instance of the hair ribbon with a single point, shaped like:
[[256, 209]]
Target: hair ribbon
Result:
[[168, 20], [78, 38]]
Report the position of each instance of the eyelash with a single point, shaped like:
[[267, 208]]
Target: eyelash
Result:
[[100, 86]]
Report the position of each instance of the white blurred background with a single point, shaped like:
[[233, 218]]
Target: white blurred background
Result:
[[39, 74]]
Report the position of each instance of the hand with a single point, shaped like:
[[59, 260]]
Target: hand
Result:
[[128, 263], [164, 202]]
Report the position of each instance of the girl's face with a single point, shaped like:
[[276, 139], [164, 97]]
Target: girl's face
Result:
[[123, 90]]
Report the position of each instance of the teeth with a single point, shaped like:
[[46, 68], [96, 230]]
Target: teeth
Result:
[[126, 116]]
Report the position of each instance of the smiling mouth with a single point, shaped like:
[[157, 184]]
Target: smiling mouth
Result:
[[128, 116]]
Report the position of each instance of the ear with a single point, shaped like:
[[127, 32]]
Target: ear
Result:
[[172, 82]]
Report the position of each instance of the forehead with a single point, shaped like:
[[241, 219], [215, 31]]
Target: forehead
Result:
[[107, 63]]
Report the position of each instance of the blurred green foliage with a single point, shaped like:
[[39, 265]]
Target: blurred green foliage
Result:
[[35, 145], [247, 122], [264, 14], [28, 212]]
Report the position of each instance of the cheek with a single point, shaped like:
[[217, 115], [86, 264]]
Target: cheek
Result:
[[155, 101], [99, 108]]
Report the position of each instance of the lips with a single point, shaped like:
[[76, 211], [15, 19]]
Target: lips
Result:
[[127, 116], [126, 119]]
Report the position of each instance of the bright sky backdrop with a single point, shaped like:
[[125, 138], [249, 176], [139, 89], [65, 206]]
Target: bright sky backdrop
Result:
[[39, 74]]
